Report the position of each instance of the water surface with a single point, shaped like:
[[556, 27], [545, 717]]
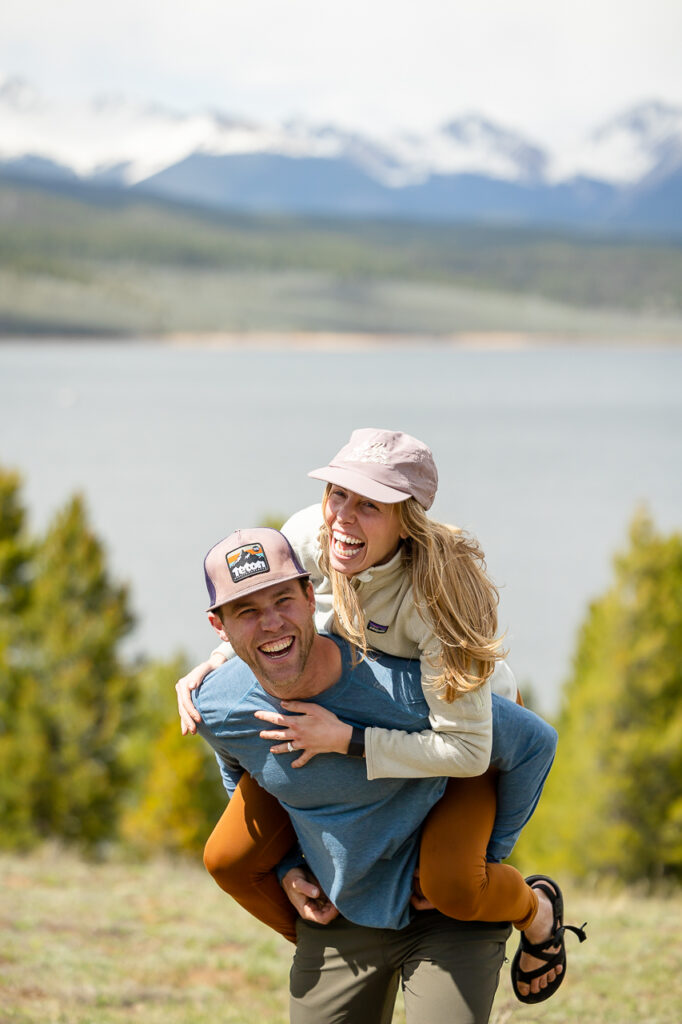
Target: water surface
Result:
[[543, 453]]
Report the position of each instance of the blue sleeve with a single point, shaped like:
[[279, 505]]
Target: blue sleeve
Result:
[[230, 771], [523, 751], [293, 859]]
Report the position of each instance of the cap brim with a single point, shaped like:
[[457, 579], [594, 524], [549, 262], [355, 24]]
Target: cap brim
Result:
[[259, 586], [354, 481]]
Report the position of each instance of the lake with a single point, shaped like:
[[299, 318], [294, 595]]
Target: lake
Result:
[[543, 452]]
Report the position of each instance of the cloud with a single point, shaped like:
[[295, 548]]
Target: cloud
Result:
[[541, 67]]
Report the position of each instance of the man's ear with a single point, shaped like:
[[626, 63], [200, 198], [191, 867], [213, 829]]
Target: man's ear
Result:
[[310, 594], [217, 624]]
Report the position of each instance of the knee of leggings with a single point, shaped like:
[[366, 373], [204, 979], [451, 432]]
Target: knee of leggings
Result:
[[220, 862], [460, 898]]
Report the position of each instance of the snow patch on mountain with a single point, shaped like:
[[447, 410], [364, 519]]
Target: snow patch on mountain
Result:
[[627, 148], [107, 134], [115, 138], [124, 142]]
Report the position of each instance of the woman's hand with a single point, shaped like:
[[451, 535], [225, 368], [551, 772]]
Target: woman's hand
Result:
[[311, 730], [418, 899], [189, 716]]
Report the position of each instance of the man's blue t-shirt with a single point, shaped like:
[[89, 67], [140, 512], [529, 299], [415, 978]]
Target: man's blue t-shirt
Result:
[[360, 837]]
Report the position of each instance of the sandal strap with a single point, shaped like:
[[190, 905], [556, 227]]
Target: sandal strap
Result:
[[580, 932], [552, 961], [548, 891], [539, 949]]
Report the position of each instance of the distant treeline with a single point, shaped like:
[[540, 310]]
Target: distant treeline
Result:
[[91, 752], [100, 260]]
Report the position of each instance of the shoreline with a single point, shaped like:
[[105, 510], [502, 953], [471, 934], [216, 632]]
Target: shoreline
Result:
[[344, 341], [330, 341]]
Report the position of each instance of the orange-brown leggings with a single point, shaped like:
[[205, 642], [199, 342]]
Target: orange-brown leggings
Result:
[[254, 833]]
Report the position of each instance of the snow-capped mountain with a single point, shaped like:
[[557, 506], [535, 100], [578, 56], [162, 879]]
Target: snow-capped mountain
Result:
[[93, 137], [628, 148], [469, 168]]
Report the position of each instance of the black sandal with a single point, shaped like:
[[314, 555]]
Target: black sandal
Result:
[[539, 949]]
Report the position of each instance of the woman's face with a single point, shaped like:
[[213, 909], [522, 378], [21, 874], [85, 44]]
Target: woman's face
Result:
[[362, 532]]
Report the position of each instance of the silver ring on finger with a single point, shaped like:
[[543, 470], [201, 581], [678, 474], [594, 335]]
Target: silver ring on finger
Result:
[[291, 748]]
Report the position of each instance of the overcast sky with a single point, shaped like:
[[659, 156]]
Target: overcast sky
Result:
[[550, 68]]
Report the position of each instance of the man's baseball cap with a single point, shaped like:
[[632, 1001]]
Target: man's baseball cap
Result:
[[249, 560], [385, 465]]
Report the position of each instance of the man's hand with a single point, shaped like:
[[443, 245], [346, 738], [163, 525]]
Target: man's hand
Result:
[[311, 730], [189, 716], [307, 897]]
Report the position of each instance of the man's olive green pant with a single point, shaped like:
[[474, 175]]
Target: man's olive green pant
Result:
[[343, 973]]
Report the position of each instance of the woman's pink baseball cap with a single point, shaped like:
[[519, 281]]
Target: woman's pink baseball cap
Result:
[[385, 465]]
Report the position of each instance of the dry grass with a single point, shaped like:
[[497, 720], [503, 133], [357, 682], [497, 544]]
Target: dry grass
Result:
[[107, 943], [628, 972]]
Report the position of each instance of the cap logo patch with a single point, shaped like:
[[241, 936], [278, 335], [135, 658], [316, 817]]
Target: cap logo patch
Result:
[[246, 561], [375, 451]]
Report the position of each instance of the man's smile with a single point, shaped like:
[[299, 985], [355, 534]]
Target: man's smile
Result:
[[277, 649]]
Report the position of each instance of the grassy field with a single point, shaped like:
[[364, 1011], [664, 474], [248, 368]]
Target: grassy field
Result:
[[111, 943]]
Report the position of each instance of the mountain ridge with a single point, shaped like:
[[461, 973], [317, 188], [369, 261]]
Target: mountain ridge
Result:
[[626, 174]]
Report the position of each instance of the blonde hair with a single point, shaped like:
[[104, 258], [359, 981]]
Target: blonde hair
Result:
[[452, 594]]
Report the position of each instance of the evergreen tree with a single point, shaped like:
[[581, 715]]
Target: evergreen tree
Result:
[[19, 746], [178, 795], [15, 553], [613, 802], [85, 738], [76, 620]]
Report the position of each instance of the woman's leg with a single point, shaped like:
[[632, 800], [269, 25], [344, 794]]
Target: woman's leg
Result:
[[252, 836], [453, 872], [523, 751]]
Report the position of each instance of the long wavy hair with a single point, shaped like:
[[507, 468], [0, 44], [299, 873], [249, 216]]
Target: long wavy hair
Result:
[[453, 595]]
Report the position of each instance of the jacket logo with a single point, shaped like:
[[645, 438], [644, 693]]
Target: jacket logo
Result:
[[246, 561], [376, 627]]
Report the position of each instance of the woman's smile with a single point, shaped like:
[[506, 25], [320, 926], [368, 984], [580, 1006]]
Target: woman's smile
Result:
[[346, 545]]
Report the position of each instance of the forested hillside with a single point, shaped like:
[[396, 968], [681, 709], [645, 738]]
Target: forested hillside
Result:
[[89, 261]]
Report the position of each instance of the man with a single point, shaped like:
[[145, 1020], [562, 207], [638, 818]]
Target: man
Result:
[[360, 838]]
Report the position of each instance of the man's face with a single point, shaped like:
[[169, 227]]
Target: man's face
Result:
[[272, 630]]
